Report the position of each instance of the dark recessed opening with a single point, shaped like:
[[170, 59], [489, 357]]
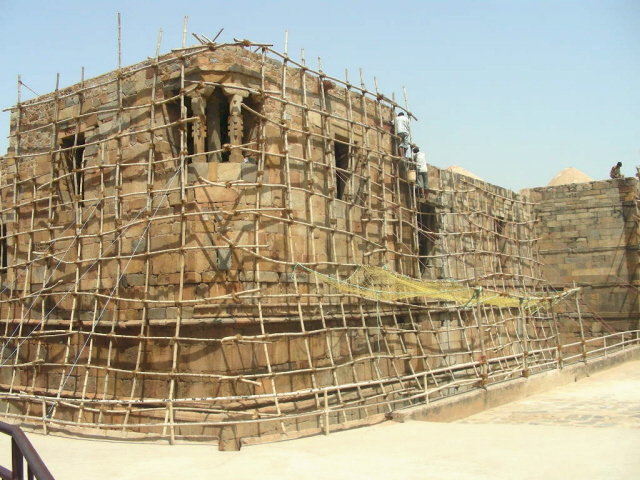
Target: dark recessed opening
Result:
[[73, 155], [341, 155], [427, 238], [217, 126], [251, 124], [4, 250]]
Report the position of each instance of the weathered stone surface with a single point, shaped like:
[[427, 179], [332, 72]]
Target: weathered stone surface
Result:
[[212, 194], [224, 259], [583, 243]]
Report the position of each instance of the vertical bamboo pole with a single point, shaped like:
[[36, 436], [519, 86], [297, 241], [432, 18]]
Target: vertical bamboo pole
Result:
[[401, 208], [445, 328], [406, 105], [326, 413], [98, 285], [13, 307], [35, 366], [118, 214], [525, 341], [45, 428], [369, 207], [386, 198], [6, 275], [352, 167], [144, 324], [406, 355], [309, 193], [494, 233], [53, 148], [413, 224], [384, 231], [55, 179], [411, 209], [434, 332], [557, 336], [637, 241], [444, 239], [288, 212], [398, 207], [257, 235], [582, 339], [483, 352], [366, 223], [79, 208], [55, 158], [333, 222], [466, 342], [183, 179], [382, 333], [330, 162]]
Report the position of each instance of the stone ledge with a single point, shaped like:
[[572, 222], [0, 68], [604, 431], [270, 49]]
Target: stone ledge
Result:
[[469, 403]]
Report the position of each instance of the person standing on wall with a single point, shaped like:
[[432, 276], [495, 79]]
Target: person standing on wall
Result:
[[615, 171], [402, 126], [421, 166]]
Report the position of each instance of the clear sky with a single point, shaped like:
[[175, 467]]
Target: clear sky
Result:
[[512, 90]]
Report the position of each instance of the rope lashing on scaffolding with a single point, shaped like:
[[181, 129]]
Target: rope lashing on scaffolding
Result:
[[380, 284]]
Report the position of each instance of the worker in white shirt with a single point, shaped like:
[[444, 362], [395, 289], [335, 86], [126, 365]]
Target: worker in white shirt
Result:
[[402, 126], [421, 167]]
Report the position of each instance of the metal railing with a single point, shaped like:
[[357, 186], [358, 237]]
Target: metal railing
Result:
[[21, 450]]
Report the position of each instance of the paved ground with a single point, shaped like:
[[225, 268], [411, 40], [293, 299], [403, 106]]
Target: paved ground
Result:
[[589, 429]]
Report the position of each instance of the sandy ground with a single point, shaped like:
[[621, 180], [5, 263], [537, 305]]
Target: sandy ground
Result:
[[589, 429]]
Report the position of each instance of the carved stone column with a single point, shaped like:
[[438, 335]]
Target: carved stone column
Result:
[[199, 105], [199, 100], [235, 121]]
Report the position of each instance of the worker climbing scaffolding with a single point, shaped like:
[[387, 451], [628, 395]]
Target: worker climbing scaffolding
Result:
[[403, 130]]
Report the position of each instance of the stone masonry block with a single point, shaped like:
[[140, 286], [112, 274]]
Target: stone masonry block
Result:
[[196, 170], [299, 277], [224, 259], [267, 277], [249, 172], [157, 313], [229, 171], [211, 194]]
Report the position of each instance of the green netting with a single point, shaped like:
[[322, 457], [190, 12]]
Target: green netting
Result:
[[381, 284]]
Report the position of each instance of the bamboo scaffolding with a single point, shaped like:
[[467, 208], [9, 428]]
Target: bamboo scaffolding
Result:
[[119, 316]]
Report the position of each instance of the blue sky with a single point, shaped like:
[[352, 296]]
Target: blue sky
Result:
[[514, 91]]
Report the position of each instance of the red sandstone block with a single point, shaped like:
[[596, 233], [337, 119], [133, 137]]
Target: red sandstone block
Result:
[[166, 263], [168, 279], [201, 261], [228, 171], [212, 194], [278, 351], [192, 277]]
